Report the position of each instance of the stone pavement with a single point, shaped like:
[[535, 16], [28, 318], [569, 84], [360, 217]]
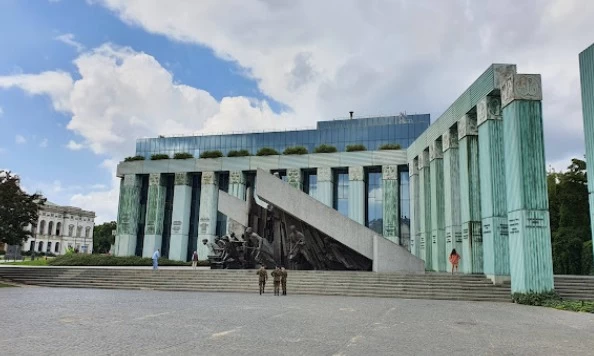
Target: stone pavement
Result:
[[46, 321]]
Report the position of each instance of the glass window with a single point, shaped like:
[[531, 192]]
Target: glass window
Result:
[[341, 192], [375, 206]]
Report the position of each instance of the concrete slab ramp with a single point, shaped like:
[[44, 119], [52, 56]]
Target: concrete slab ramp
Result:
[[386, 255]]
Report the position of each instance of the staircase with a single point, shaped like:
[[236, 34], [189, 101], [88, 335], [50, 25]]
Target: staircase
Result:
[[575, 287], [360, 284]]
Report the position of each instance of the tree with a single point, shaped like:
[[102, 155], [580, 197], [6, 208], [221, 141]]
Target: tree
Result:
[[102, 237], [18, 210]]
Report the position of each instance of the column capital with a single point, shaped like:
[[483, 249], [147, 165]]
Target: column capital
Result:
[[130, 179], [155, 179], [467, 126], [208, 178], [521, 87], [356, 173], [413, 167], [294, 175], [435, 150], [488, 108], [449, 139], [390, 172], [324, 174], [236, 177], [502, 72], [424, 159], [182, 179]]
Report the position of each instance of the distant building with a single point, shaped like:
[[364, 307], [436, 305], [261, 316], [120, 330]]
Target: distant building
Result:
[[60, 227]]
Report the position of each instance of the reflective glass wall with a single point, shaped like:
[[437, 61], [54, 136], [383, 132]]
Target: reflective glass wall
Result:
[[370, 132], [374, 207]]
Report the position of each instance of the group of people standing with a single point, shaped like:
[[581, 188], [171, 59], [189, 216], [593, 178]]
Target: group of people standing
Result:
[[279, 277]]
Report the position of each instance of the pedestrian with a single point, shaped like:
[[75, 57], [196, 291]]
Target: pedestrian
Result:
[[454, 260], [276, 274], [284, 280], [195, 259], [262, 277], [156, 256]]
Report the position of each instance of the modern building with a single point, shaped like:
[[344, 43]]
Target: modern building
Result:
[[587, 80], [61, 227], [172, 204]]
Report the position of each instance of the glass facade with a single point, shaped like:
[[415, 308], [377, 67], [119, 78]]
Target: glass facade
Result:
[[341, 191], [374, 209], [310, 182], [370, 132]]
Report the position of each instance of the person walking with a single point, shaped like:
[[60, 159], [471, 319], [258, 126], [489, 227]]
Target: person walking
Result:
[[156, 256], [195, 259], [454, 260], [276, 274], [284, 280], [262, 277]]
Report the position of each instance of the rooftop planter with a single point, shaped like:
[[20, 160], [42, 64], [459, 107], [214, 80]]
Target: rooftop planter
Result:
[[390, 146], [134, 158], [159, 156], [325, 149], [240, 153], [267, 151], [183, 155], [296, 150], [211, 154], [355, 148]]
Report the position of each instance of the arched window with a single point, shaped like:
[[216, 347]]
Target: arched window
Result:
[[49, 246], [70, 230], [32, 246], [50, 228], [42, 227], [57, 248], [78, 231], [58, 229], [40, 246], [87, 231]]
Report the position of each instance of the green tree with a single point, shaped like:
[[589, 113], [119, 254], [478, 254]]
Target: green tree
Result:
[[18, 210], [102, 237]]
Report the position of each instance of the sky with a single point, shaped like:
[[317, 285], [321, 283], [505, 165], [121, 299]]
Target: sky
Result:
[[80, 81]]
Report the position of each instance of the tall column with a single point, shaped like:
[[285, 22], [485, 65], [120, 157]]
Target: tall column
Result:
[[492, 182], [325, 188], [587, 81], [437, 207], [180, 217], [413, 170], [128, 214], [357, 194], [237, 184], [391, 203], [295, 178], [472, 242], [207, 220], [531, 261], [155, 210], [425, 210], [451, 183]]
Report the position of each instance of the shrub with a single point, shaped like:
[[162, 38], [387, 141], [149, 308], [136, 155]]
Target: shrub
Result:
[[267, 151], [135, 158], [531, 298], [159, 156], [325, 149], [183, 155], [106, 260], [390, 146], [355, 148], [211, 154], [240, 153], [297, 150]]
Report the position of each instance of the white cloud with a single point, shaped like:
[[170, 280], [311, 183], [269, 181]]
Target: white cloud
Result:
[[20, 139], [43, 143], [57, 85], [68, 38], [74, 146]]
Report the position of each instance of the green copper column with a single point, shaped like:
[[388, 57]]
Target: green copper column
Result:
[[357, 194], [451, 183], [207, 221], [237, 184], [437, 207], [155, 210], [325, 188], [180, 217], [472, 243], [531, 261], [294, 178], [391, 203], [415, 223], [128, 212], [425, 210], [493, 204], [587, 80]]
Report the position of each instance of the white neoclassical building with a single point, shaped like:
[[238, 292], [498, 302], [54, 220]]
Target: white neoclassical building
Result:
[[60, 227]]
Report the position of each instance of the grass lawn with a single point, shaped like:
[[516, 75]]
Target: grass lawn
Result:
[[2, 285], [37, 262]]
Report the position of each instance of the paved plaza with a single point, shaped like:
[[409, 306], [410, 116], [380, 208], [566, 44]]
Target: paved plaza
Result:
[[47, 321]]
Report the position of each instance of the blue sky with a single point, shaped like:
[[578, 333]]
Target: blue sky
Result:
[[81, 80]]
